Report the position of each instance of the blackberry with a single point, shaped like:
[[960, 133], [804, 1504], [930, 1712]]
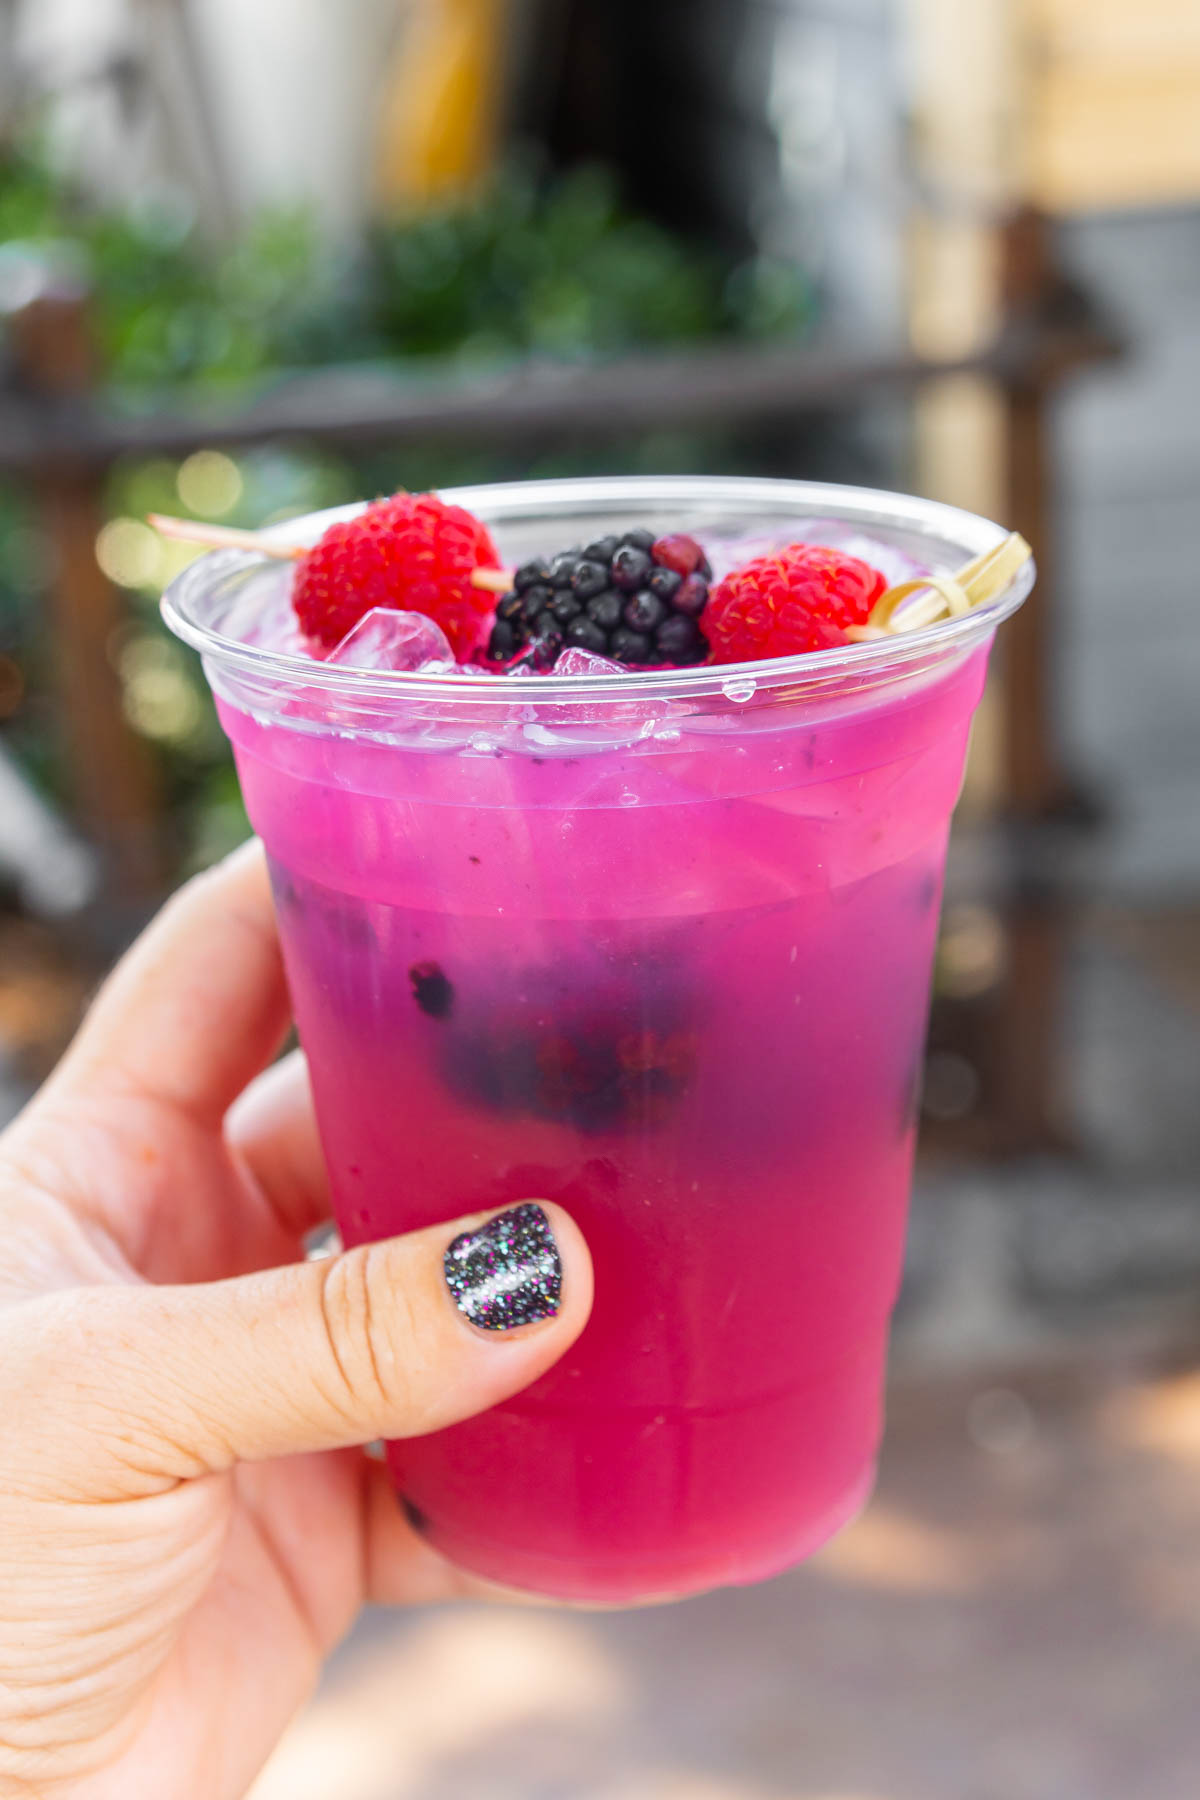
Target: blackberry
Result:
[[629, 646], [418, 1520], [562, 567], [586, 635], [645, 612], [534, 599], [681, 553], [503, 642], [617, 596], [692, 596], [630, 567], [540, 646], [678, 638], [531, 572], [547, 645], [588, 578], [565, 606], [605, 610], [666, 583], [545, 1044], [432, 989]]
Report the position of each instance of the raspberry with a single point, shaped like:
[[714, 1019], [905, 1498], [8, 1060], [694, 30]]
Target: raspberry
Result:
[[413, 553], [797, 599]]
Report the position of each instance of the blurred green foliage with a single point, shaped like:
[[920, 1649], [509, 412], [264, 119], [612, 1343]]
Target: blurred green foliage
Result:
[[530, 266]]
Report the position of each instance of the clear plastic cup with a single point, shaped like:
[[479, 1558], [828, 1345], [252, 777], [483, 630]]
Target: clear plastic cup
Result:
[[683, 924]]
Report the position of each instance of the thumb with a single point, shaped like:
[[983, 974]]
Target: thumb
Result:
[[391, 1339]]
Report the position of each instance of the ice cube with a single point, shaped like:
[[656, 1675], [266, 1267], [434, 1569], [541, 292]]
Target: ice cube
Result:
[[840, 534], [575, 661], [892, 562], [260, 611], [387, 639]]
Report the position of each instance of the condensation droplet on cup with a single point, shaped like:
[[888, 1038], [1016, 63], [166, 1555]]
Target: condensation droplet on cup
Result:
[[739, 691], [627, 798]]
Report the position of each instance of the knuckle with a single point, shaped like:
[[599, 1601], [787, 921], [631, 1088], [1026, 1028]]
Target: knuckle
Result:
[[370, 1328]]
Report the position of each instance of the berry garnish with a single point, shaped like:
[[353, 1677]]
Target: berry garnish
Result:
[[683, 554], [616, 597], [413, 553], [797, 599], [630, 568]]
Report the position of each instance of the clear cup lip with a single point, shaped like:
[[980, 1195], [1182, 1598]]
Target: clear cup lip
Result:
[[526, 500]]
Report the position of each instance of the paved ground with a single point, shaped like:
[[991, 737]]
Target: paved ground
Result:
[[1015, 1617]]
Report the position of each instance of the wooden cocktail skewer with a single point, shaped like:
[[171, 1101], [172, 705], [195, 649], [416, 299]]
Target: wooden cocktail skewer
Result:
[[230, 537], [495, 581], [222, 537], [943, 596]]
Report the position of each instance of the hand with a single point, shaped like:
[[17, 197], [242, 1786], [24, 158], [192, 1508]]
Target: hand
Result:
[[176, 1558]]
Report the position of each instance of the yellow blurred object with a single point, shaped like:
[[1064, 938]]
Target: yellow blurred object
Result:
[[129, 553], [440, 118], [209, 483], [157, 697], [1113, 102]]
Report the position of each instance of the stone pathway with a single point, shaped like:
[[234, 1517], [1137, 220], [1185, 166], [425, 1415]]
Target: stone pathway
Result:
[[1015, 1617]]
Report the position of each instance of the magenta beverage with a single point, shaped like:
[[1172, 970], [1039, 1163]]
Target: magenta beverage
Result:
[[656, 946]]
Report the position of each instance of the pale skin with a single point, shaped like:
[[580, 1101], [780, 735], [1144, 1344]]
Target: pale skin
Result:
[[187, 1526]]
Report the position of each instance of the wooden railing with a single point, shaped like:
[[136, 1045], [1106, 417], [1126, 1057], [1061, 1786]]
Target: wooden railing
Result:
[[60, 431]]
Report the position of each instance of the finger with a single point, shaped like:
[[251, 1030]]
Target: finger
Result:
[[273, 1129], [199, 1004], [392, 1340]]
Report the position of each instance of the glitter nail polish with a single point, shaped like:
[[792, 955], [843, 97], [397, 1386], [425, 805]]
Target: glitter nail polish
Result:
[[508, 1272]]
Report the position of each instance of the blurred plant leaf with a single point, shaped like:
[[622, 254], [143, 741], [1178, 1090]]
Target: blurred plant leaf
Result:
[[528, 267]]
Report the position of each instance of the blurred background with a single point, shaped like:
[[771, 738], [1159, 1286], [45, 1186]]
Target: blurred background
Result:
[[258, 256]]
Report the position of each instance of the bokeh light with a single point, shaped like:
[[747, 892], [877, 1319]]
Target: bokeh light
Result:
[[158, 698], [209, 483], [130, 553], [971, 951]]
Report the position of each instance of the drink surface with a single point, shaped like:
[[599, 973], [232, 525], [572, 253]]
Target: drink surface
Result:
[[670, 969]]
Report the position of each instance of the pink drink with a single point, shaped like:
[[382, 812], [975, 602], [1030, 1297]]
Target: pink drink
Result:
[[657, 948]]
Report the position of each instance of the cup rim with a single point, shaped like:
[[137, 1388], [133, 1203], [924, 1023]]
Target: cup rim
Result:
[[514, 502]]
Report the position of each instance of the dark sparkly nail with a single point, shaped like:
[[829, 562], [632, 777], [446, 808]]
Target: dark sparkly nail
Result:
[[508, 1272]]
